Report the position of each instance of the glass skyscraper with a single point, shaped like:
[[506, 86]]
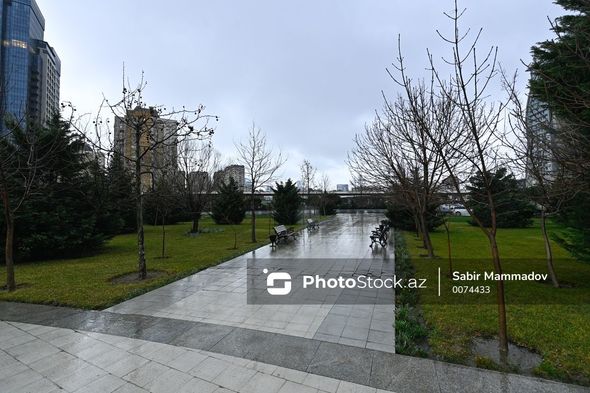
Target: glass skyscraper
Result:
[[29, 67]]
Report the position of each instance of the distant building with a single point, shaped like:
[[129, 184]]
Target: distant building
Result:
[[46, 73], [29, 67], [342, 187], [162, 159], [218, 178], [90, 155], [541, 124], [236, 172], [199, 181]]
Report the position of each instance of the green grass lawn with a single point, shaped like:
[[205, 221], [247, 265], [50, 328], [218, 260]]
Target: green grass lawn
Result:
[[85, 282], [556, 325]]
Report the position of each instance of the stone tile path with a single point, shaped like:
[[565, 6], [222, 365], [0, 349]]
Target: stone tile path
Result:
[[218, 295], [41, 359], [35, 358]]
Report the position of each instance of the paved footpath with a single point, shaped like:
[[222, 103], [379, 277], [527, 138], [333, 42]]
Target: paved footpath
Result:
[[179, 339], [40, 359], [56, 349], [218, 295]]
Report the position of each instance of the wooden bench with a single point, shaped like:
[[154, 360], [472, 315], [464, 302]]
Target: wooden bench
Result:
[[311, 224], [283, 233]]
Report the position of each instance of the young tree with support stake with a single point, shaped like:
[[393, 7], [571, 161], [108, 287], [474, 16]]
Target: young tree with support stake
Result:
[[260, 166]]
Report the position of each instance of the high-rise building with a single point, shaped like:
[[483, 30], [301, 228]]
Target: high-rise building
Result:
[[158, 143], [236, 172], [342, 187], [218, 178], [541, 125], [29, 67]]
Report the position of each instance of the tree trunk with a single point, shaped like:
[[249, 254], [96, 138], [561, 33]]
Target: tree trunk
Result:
[[448, 231], [500, 299], [253, 209], [417, 224], [141, 265], [426, 236], [9, 246], [196, 219], [253, 225], [163, 236], [548, 250]]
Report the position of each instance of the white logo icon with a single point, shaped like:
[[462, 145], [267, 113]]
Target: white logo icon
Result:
[[278, 276]]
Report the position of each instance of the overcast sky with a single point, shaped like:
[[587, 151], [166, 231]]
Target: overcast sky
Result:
[[309, 73]]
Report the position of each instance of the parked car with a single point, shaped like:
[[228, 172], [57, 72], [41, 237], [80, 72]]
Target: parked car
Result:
[[460, 210], [446, 209]]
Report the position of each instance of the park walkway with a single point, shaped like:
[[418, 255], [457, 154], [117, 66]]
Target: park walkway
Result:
[[218, 295], [182, 338]]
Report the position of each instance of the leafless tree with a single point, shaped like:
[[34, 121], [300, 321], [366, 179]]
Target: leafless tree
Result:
[[308, 172], [198, 161], [165, 198], [324, 187], [324, 184], [532, 142], [473, 148], [146, 138], [260, 165], [397, 152], [357, 183]]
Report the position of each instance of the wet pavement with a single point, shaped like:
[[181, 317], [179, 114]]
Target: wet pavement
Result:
[[200, 335], [68, 350], [218, 295]]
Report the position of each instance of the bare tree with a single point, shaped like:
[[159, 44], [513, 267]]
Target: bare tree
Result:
[[260, 165], [398, 153], [308, 172], [474, 147], [165, 197], [146, 138], [198, 161], [357, 182], [532, 144], [324, 186]]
